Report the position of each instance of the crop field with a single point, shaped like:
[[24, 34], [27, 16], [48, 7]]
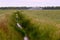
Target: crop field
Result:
[[37, 24]]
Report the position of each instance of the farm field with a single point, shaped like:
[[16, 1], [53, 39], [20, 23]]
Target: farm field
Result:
[[38, 24]]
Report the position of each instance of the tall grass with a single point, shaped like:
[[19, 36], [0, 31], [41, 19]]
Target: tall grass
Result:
[[37, 30], [7, 28], [32, 26], [15, 32]]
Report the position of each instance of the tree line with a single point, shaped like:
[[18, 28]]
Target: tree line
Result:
[[22, 8]]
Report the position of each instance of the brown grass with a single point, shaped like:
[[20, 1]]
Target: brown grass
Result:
[[3, 23]]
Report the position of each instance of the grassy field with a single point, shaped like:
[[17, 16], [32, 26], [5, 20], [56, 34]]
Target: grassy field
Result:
[[38, 24], [7, 31], [53, 15], [42, 24]]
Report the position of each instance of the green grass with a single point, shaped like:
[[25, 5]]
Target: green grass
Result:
[[53, 15], [7, 27], [38, 25], [39, 30]]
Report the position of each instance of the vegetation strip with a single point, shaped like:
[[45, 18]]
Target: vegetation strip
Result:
[[25, 37]]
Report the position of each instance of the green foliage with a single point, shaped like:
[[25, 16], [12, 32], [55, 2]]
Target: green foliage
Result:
[[37, 30], [7, 29], [15, 20], [37, 25]]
